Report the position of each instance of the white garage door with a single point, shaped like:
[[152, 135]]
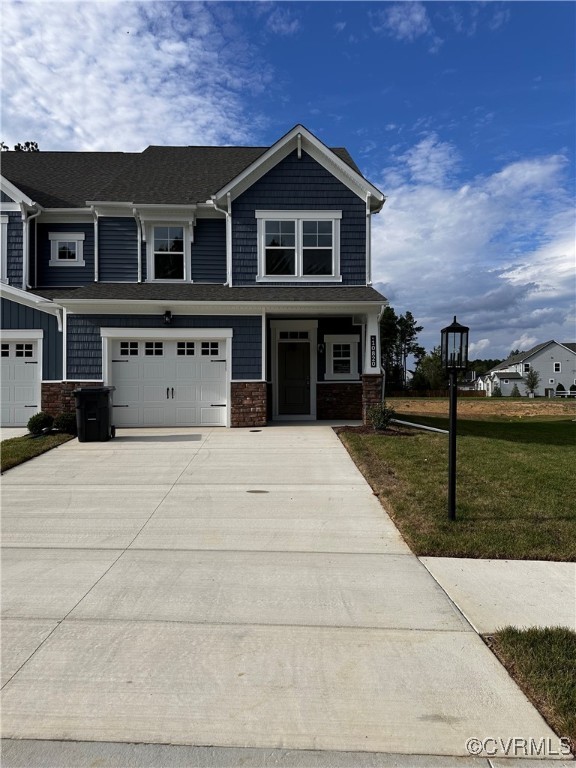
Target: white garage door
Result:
[[165, 383], [20, 382]]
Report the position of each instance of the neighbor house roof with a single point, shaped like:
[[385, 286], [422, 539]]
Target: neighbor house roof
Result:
[[507, 375]]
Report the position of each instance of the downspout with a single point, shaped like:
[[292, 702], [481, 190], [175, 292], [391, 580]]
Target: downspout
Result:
[[26, 242], [228, 214], [95, 214], [368, 242], [139, 236]]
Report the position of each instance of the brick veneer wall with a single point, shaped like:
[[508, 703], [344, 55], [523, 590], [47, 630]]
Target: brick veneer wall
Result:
[[339, 400], [371, 393], [57, 396], [248, 407]]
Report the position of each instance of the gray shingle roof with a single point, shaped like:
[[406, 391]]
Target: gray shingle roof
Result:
[[219, 293], [159, 175]]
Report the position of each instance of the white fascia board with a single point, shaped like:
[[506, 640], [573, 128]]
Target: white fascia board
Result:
[[16, 194], [158, 307], [566, 348], [316, 149], [28, 299], [166, 333]]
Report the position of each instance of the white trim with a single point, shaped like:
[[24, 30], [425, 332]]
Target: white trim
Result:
[[12, 293], [264, 361], [64, 343], [152, 307], [4, 220], [294, 325], [298, 217], [73, 237], [37, 337], [21, 335], [10, 207], [16, 194], [347, 338], [149, 227]]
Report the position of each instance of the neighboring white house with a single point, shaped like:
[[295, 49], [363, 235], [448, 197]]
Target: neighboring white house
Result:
[[555, 362]]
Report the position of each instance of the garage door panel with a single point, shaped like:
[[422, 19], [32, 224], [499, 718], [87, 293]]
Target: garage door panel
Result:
[[20, 382], [175, 388]]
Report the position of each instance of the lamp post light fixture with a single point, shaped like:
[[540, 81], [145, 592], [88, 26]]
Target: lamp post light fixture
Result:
[[454, 353]]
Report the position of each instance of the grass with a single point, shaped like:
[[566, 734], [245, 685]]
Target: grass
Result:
[[515, 492], [543, 663], [17, 450]]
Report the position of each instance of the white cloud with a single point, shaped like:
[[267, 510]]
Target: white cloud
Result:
[[282, 22], [406, 21], [497, 250], [83, 75], [525, 342], [478, 348]]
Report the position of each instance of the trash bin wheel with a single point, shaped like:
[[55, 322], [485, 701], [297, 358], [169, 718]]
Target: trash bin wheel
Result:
[[112, 432]]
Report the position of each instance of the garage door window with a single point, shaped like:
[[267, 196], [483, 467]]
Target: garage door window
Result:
[[210, 348], [153, 348], [24, 350], [184, 348], [5, 350], [128, 348]]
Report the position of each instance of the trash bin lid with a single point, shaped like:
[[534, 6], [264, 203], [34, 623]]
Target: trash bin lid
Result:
[[92, 390]]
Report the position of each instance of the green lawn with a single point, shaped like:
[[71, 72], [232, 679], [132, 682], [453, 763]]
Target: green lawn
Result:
[[543, 663], [17, 450], [516, 494]]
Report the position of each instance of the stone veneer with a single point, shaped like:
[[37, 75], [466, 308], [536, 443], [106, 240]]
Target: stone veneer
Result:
[[339, 400], [371, 393], [248, 407], [57, 396]]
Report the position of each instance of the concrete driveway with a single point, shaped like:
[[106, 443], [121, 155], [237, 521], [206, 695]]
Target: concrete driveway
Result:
[[232, 588]]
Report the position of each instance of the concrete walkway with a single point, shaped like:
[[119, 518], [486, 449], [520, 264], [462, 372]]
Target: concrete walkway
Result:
[[232, 589]]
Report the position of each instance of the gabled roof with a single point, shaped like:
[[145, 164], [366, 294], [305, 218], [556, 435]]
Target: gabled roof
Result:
[[507, 375], [522, 356], [158, 175]]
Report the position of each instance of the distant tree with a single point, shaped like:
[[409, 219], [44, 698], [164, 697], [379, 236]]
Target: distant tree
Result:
[[515, 352], [496, 392], [482, 366], [398, 340], [429, 373], [531, 380], [28, 146], [515, 391]]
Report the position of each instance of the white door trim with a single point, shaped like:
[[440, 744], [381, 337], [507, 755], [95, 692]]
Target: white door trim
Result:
[[294, 325]]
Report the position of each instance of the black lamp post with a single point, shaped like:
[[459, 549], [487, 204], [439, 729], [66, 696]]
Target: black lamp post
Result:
[[454, 349]]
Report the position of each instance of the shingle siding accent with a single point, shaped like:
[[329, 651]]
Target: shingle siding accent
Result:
[[17, 317], [84, 346], [4, 198], [117, 250], [65, 276], [14, 245], [299, 184], [209, 251]]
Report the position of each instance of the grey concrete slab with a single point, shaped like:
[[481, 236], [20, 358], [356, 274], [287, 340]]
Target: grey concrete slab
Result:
[[20, 638], [76, 516], [339, 518], [291, 466], [7, 433], [47, 583], [496, 593], [367, 690], [67, 754], [339, 590], [149, 438]]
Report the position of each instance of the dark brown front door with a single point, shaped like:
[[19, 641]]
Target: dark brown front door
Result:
[[293, 378]]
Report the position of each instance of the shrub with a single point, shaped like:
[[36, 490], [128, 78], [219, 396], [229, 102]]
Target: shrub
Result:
[[560, 388], [496, 392], [39, 422], [380, 416], [515, 391], [572, 387], [66, 422]]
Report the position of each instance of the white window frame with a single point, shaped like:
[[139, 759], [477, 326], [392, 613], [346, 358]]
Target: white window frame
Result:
[[68, 237], [557, 367], [298, 217], [186, 234], [526, 368], [330, 340]]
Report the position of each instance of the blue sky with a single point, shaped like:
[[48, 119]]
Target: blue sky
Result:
[[461, 112]]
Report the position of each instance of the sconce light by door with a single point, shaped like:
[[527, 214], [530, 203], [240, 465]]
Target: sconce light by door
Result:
[[167, 317], [321, 349]]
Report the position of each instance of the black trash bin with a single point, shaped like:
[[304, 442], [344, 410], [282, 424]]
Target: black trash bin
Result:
[[94, 414]]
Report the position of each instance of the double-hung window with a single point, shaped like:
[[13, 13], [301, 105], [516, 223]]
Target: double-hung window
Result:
[[298, 245], [168, 260], [66, 249]]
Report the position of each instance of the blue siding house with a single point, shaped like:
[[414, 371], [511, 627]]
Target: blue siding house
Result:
[[210, 286]]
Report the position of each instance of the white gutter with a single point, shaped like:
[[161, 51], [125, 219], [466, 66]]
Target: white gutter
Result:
[[228, 214], [139, 233], [420, 426], [95, 214], [26, 241], [368, 241]]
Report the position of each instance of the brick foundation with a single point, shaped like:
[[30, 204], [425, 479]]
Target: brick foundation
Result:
[[371, 393], [248, 407], [57, 396], [338, 400]]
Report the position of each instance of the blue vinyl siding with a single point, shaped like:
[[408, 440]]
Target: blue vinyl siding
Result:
[[296, 184], [209, 251], [85, 343], [117, 250], [17, 317], [65, 276], [4, 198], [15, 243]]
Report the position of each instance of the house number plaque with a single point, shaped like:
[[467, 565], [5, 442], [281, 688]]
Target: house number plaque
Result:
[[373, 351]]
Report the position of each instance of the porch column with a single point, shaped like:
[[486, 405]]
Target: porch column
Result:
[[371, 373]]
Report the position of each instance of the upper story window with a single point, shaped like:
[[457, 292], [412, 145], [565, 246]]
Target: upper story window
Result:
[[66, 249], [557, 367], [299, 245], [526, 367], [169, 261]]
